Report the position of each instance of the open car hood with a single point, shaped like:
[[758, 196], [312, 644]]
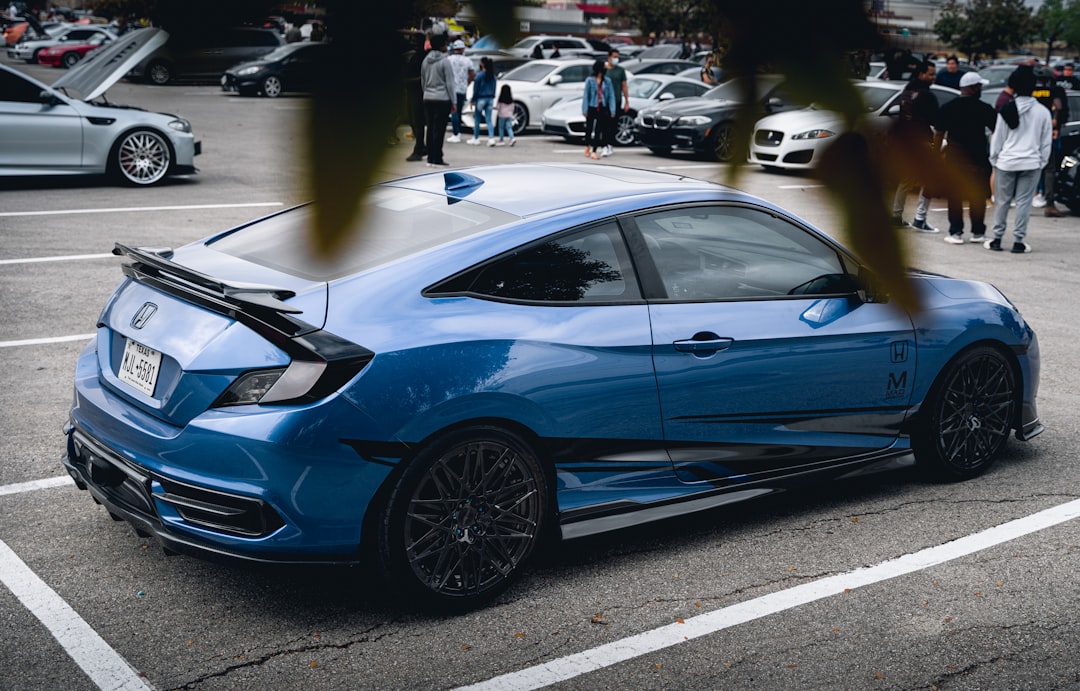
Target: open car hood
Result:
[[102, 68]]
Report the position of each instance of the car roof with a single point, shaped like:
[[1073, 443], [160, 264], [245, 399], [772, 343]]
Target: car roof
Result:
[[517, 189]]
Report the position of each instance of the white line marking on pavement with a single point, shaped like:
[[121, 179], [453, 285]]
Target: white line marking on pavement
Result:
[[709, 166], [798, 187], [63, 258], [91, 653], [46, 341], [122, 209], [34, 485], [571, 666]]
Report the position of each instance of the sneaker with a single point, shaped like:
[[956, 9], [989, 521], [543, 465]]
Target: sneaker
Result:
[[491, 141], [512, 142], [607, 151], [454, 138], [1038, 201], [994, 244], [1020, 248], [977, 238], [1054, 212], [900, 222], [474, 141], [954, 239], [923, 227], [439, 164], [414, 157]]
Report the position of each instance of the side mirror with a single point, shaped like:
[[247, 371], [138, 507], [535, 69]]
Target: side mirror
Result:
[[555, 79], [49, 98], [666, 96]]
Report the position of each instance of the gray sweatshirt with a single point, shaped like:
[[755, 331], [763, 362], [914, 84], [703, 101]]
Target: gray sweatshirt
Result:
[[1026, 146], [437, 77]]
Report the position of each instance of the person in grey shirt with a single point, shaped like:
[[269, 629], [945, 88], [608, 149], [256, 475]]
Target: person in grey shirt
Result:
[[437, 81]]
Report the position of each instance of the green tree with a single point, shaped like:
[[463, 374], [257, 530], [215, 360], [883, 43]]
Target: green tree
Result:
[[984, 27]]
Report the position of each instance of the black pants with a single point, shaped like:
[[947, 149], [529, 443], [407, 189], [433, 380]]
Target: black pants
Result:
[[978, 188], [414, 104], [596, 127], [438, 115]]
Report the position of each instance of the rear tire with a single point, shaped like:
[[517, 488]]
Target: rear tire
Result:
[[70, 59], [272, 87], [966, 419], [159, 73], [464, 518]]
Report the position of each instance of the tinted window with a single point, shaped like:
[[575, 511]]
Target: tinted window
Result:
[[718, 252], [15, 88], [681, 90], [591, 265], [575, 73], [530, 72]]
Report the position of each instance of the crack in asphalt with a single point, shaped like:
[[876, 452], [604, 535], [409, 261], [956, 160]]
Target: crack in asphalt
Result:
[[365, 637]]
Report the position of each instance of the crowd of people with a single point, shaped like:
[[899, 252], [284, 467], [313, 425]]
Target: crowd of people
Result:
[[1007, 154]]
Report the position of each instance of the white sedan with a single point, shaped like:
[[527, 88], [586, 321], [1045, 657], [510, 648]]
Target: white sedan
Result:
[[795, 139], [565, 117], [537, 85]]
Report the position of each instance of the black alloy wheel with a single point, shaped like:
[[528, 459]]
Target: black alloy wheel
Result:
[[966, 419], [465, 517], [159, 73], [723, 142]]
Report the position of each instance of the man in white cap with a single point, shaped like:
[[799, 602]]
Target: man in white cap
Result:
[[463, 75], [963, 123]]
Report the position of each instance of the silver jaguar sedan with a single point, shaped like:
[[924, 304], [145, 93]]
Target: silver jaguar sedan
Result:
[[46, 130]]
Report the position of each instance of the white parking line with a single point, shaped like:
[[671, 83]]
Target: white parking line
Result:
[[63, 258], [572, 666], [46, 341], [123, 209], [34, 485], [90, 652], [798, 187], [695, 166]]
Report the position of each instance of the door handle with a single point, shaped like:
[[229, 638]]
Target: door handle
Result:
[[703, 343]]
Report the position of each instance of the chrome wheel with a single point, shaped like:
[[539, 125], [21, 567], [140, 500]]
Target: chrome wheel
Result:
[[968, 415], [70, 59], [143, 157], [466, 516], [625, 134], [159, 73], [271, 87], [724, 143], [521, 119]]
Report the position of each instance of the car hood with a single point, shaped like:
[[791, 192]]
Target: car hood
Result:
[[694, 106], [799, 120], [102, 68]]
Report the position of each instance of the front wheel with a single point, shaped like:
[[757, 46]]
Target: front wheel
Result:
[[723, 143], [70, 59], [142, 157], [159, 73], [966, 418], [465, 517], [625, 132], [272, 87]]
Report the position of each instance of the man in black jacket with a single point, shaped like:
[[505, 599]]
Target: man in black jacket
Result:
[[963, 123]]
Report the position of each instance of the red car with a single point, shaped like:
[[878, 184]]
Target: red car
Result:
[[67, 54]]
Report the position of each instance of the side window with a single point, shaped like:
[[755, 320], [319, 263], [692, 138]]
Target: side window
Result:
[[575, 73], [15, 88], [734, 252], [588, 266], [679, 90]]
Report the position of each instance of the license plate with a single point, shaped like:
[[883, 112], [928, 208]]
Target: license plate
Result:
[[140, 367]]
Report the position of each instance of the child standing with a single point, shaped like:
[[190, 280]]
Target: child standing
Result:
[[505, 109]]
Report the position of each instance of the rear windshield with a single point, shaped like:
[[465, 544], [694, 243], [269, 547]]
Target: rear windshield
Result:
[[393, 223]]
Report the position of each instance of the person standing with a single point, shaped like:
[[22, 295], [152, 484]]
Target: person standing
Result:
[[414, 95], [437, 80], [505, 109], [483, 100], [463, 75], [707, 75], [951, 76], [1052, 96], [964, 122], [597, 105], [617, 75], [1019, 150], [1068, 80], [913, 128]]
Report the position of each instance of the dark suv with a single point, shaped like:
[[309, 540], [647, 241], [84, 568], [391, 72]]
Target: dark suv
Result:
[[205, 58]]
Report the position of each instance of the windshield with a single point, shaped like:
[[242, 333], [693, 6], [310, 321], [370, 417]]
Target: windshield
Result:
[[526, 43], [735, 89], [394, 223], [529, 72], [874, 97], [639, 87]]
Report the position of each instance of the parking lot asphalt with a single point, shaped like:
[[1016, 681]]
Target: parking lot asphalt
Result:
[[85, 603]]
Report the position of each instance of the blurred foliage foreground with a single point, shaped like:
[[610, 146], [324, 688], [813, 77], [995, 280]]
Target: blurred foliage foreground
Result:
[[810, 43]]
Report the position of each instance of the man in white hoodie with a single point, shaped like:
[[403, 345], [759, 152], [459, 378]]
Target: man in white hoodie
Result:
[[1019, 150]]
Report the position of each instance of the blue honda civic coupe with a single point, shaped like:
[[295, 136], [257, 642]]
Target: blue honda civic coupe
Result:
[[507, 353]]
